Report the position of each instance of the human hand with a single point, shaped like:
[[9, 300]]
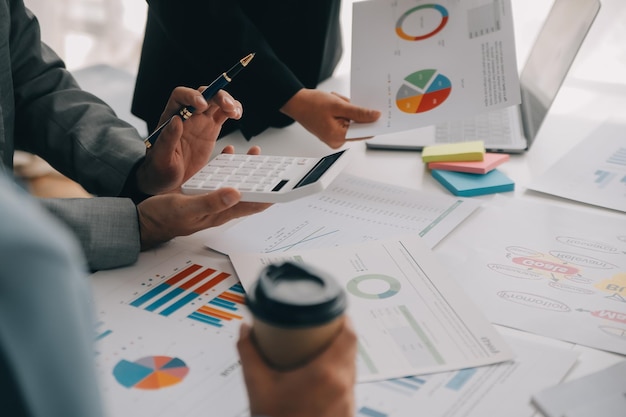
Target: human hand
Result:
[[163, 217], [184, 148], [327, 115], [324, 387]]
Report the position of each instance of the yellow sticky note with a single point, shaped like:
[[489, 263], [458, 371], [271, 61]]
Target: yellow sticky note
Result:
[[450, 152]]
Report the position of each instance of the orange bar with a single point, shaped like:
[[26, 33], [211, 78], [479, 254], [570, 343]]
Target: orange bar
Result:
[[202, 275], [235, 298], [212, 283], [183, 274], [217, 313]]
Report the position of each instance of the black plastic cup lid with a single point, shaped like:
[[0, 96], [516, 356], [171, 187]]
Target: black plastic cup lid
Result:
[[296, 295]]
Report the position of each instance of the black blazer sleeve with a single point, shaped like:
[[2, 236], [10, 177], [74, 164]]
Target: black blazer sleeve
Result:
[[297, 44]]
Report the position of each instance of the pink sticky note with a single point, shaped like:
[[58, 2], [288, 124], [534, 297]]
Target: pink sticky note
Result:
[[490, 161]]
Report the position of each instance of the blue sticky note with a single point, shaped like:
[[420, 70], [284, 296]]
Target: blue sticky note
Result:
[[469, 185]]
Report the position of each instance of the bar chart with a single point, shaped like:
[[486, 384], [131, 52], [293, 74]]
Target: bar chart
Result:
[[227, 307], [190, 289]]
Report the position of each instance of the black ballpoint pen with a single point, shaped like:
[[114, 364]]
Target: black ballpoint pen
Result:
[[219, 83]]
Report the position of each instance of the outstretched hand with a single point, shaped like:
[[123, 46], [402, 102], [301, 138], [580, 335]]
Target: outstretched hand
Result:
[[168, 215], [183, 148], [327, 115]]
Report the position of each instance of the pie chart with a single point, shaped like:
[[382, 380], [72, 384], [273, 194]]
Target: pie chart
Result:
[[151, 372], [422, 91], [420, 29]]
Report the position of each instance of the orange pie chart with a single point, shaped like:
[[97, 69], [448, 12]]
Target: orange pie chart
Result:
[[151, 372]]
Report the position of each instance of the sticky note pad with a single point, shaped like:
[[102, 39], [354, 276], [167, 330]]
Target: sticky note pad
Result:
[[490, 162], [464, 151], [468, 185]]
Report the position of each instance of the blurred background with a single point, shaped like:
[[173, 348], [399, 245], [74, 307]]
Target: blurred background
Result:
[[88, 32]]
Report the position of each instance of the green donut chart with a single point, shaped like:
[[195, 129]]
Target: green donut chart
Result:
[[392, 284]]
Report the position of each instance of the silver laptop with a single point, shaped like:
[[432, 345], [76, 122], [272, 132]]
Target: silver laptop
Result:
[[513, 129]]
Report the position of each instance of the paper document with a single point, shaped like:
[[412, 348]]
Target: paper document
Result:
[[161, 351], [423, 62], [166, 335], [350, 210], [503, 389], [410, 317], [545, 269], [594, 172]]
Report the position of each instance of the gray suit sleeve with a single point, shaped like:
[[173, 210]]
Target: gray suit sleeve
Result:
[[107, 228], [46, 323]]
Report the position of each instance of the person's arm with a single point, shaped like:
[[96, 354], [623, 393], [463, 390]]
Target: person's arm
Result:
[[297, 45], [74, 131], [327, 115], [107, 228], [201, 40], [46, 327]]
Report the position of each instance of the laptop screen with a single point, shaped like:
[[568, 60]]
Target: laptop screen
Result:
[[551, 56]]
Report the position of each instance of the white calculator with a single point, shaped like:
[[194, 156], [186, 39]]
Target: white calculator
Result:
[[267, 178]]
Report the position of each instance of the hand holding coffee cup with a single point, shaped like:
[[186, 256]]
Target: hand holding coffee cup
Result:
[[297, 311]]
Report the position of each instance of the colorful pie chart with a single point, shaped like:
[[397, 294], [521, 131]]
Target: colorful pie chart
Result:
[[418, 32], [422, 91], [151, 372]]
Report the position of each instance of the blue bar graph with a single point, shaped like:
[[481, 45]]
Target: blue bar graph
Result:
[[178, 304], [150, 294], [221, 310], [407, 386], [369, 412], [460, 378], [167, 297], [203, 318], [103, 334], [224, 304], [618, 158]]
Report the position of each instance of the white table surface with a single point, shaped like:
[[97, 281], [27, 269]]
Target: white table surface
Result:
[[594, 91]]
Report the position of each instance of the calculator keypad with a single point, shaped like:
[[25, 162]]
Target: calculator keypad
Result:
[[257, 173]]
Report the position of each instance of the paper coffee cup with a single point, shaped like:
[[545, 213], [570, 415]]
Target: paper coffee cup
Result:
[[297, 311]]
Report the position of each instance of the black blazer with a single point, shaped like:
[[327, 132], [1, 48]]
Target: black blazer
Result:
[[297, 44]]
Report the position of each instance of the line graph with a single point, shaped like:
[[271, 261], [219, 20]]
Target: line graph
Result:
[[298, 237]]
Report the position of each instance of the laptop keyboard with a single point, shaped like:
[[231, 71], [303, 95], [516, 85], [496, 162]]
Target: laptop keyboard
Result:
[[490, 127]]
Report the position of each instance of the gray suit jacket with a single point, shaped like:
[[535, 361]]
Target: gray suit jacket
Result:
[[46, 326], [43, 111]]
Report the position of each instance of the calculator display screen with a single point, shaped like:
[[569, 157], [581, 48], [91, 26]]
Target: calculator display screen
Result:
[[319, 169]]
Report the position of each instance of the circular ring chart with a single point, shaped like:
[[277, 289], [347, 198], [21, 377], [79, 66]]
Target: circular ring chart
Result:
[[392, 286], [411, 37], [151, 372], [423, 91]]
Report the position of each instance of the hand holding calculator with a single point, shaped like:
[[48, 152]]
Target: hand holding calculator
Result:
[[267, 178]]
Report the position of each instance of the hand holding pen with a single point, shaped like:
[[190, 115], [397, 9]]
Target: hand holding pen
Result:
[[219, 83]]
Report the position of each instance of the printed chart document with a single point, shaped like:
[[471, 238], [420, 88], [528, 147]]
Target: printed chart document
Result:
[[503, 389], [350, 210], [545, 269], [161, 351], [410, 317], [594, 172], [424, 62], [166, 336]]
